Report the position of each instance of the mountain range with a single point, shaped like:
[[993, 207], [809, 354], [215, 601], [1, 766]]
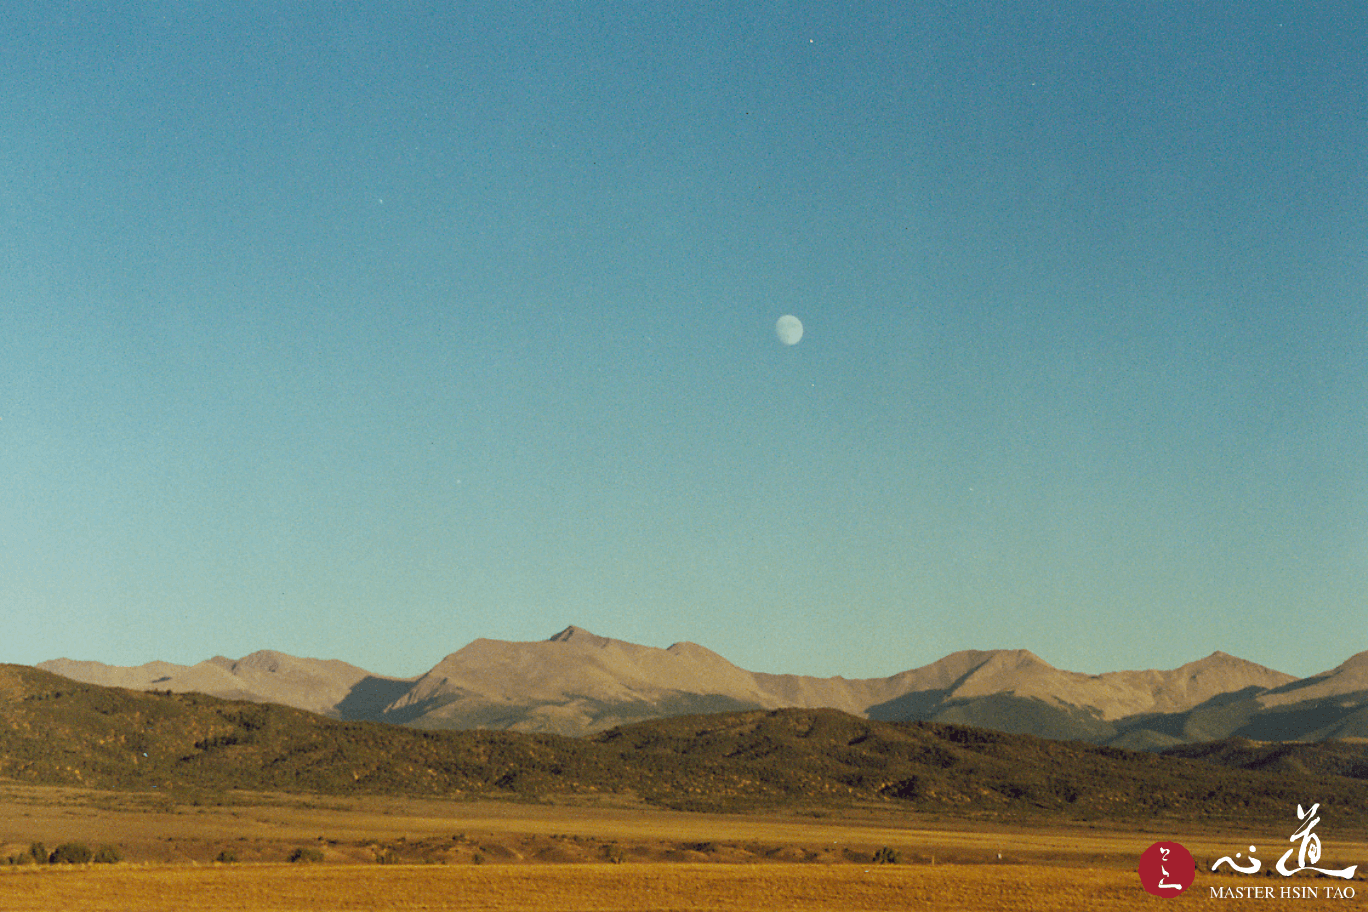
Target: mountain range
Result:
[[193, 750], [577, 683]]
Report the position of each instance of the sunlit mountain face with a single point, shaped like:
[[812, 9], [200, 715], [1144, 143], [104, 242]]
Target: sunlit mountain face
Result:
[[577, 683]]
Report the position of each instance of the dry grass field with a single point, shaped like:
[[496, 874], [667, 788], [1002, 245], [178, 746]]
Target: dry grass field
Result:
[[656, 887], [493, 855], [151, 828]]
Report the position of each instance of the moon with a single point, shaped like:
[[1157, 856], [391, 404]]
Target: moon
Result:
[[789, 329]]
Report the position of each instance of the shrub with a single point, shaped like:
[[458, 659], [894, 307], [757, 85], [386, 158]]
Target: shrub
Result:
[[227, 856], [306, 856], [107, 854], [38, 852], [885, 855], [71, 853]]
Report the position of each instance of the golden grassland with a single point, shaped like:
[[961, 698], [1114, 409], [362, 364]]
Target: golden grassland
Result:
[[494, 855], [599, 888], [264, 827]]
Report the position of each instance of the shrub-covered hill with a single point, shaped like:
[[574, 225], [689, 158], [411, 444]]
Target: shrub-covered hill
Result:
[[1321, 758], [933, 765], [56, 731]]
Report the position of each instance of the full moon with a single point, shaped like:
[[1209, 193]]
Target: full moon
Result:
[[789, 329]]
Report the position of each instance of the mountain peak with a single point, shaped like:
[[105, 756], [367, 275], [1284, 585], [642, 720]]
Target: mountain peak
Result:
[[573, 634], [1223, 658], [264, 660], [1223, 664], [1017, 658]]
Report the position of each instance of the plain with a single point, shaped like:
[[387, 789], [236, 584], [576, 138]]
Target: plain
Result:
[[388, 853]]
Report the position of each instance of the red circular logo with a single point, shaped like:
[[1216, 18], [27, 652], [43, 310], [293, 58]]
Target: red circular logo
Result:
[[1166, 869]]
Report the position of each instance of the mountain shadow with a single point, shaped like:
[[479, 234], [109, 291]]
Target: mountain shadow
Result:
[[1001, 712], [1211, 720], [1340, 716], [1027, 715], [916, 706], [367, 699], [570, 716]]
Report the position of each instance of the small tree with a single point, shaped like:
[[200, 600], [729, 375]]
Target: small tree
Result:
[[885, 855]]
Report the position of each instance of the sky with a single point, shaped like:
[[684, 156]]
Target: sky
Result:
[[364, 330]]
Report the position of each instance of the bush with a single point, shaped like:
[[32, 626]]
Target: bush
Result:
[[108, 854], [885, 855], [306, 856], [38, 852], [227, 856], [71, 853]]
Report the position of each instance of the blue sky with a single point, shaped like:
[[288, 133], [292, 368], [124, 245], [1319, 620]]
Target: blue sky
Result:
[[364, 330]]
